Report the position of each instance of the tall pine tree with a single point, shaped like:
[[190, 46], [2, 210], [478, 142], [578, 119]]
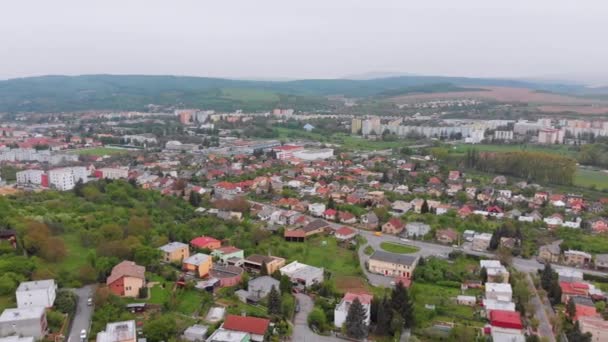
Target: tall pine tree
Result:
[[355, 320], [274, 301], [384, 317], [401, 303]]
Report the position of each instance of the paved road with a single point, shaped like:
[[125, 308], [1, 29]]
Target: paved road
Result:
[[84, 313], [301, 331], [544, 328]]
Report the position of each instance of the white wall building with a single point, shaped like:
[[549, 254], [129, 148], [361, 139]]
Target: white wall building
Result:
[[113, 173], [65, 178], [302, 274], [341, 311], [499, 291], [36, 293], [30, 177]]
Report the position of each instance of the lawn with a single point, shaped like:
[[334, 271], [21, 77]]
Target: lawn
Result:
[[345, 140], [188, 301], [99, 151], [398, 248], [158, 294], [75, 257], [321, 251], [591, 178], [7, 301], [557, 149]]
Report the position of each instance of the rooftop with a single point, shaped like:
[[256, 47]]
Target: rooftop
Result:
[[196, 259], [36, 285], [252, 325], [15, 314], [394, 258], [172, 247]]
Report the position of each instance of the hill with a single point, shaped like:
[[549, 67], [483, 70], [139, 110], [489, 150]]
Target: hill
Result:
[[134, 92]]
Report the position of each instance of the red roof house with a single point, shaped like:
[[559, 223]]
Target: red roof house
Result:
[[506, 319], [345, 233], [330, 214], [205, 242], [252, 325]]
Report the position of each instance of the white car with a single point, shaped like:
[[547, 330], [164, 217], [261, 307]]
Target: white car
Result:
[[404, 240], [83, 334]]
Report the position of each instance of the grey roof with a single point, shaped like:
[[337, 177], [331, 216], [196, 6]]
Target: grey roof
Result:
[[36, 285], [316, 224], [196, 259], [15, 314], [394, 258], [266, 281], [172, 246]]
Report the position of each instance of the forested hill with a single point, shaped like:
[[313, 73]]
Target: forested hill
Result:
[[134, 92]]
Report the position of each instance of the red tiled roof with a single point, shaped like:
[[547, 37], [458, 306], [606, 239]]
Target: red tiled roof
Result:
[[574, 288], [364, 298], [128, 269], [345, 231], [203, 241], [505, 319], [294, 233], [228, 249], [252, 325]]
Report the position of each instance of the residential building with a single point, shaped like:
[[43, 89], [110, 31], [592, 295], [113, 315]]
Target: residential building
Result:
[[66, 178], [569, 275], [481, 242], [417, 229], [199, 264], [578, 258], [34, 177], [549, 253], [259, 287], [205, 242], [345, 233], [223, 335], [493, 304], [228, 252], [393, 226], [254, 326], [126, 279], [341, 310], [499, 291], [36, 293], [316, 209], [111, 173], [124, 331], [446, 236], [226, 275], [601, 261], [395, 265], [503, 135], [550, 136], [596, 326], [29, 321], [15, 338], [370, 220], [175, 252], [195, 333], [254, 262], [302, 274], [496, 272]]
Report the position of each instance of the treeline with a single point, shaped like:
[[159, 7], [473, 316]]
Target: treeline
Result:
[[594, 154], [533, 166]]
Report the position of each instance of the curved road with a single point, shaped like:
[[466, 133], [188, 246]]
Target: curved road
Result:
[[301, 331]]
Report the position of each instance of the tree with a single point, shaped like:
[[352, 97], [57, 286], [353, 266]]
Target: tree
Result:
[[161, 328], [316, 319], [66, 301], [355, 320], [546, 277], [274, 301], [424, 208], [571, 309], [330, 203], [194, 199], [401, 303], [384, 317], [285, 284], [264, 268], [575, 334], [483, 274]]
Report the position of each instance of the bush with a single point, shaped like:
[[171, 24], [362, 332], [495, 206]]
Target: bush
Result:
[[449, 283], [143, 292], [317, 319], [66, 301]]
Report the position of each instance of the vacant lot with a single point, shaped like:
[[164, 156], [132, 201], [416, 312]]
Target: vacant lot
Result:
[[502, 94], [591, 178], [398, 248]]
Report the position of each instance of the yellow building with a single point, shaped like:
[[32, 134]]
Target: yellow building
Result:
[[392, 265], [199, 263], [253, 263], [175, 252]]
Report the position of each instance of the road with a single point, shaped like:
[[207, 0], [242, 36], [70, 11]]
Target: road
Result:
[[84, 313], [544, 328], [301, 331]]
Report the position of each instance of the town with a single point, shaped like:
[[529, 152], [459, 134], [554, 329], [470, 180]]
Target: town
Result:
[[197, 225]]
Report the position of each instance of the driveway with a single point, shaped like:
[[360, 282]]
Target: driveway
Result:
[[84, 313], [301, 331]]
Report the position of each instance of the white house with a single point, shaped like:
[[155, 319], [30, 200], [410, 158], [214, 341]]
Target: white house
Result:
[[36, 293], [25, 322], [341, 311], [499, 291], [302, 274], [316, 209]]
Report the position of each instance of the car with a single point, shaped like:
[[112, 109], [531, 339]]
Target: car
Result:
[[378, 233], [83, 334], [404, 240], [90, 301]]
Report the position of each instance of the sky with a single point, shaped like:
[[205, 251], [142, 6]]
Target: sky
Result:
[[287, 39]]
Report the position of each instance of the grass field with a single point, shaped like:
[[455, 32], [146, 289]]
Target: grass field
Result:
[[322, 251], [249, 95], [345, 140], [75, 257], [398, 248], [591, 178], [557, 149], [99, 151]]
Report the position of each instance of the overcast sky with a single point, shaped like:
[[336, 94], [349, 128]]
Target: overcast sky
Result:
[[304, 39]]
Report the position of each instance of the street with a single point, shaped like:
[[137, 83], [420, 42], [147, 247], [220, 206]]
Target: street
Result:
[[301, 331], [544, 328], [83, 314]]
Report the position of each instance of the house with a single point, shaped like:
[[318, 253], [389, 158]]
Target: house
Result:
[[29, 321], [599, 225], [36, 293], [578, 258], [499, 334], [126, 279], [446, 236], [496, 272], [493, 304], [584, 307], [341, 310], [317, 226], [417, 229], [389, 264], [226, 275], [481, 242], [195, 333], [254, 262], [205, 242], [549, 253], [346, 217], [227, 252], [466, 300], [393, 226], [345, 233], [575, 289], [254, 326], [596, 326], [223, 335], [468, 235], [370, 220], [569, 275], [174, 252], [302, 274], [199, 264], [601, 261], [316, 209], [124, 331], [506, 319], [399, 208], [330, 214], [260, 287], [499, 291]]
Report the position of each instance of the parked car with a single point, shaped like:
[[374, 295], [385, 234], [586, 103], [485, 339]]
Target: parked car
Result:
[[90, 301], [83, 335]]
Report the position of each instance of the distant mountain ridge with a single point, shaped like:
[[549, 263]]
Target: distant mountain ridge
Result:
[[134, 92]]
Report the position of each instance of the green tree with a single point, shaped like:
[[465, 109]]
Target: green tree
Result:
[[274, 301], [66, 301], [316, 319], [401, 303], [161, 328], [384, 317], [571, 309], [355, 320]]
